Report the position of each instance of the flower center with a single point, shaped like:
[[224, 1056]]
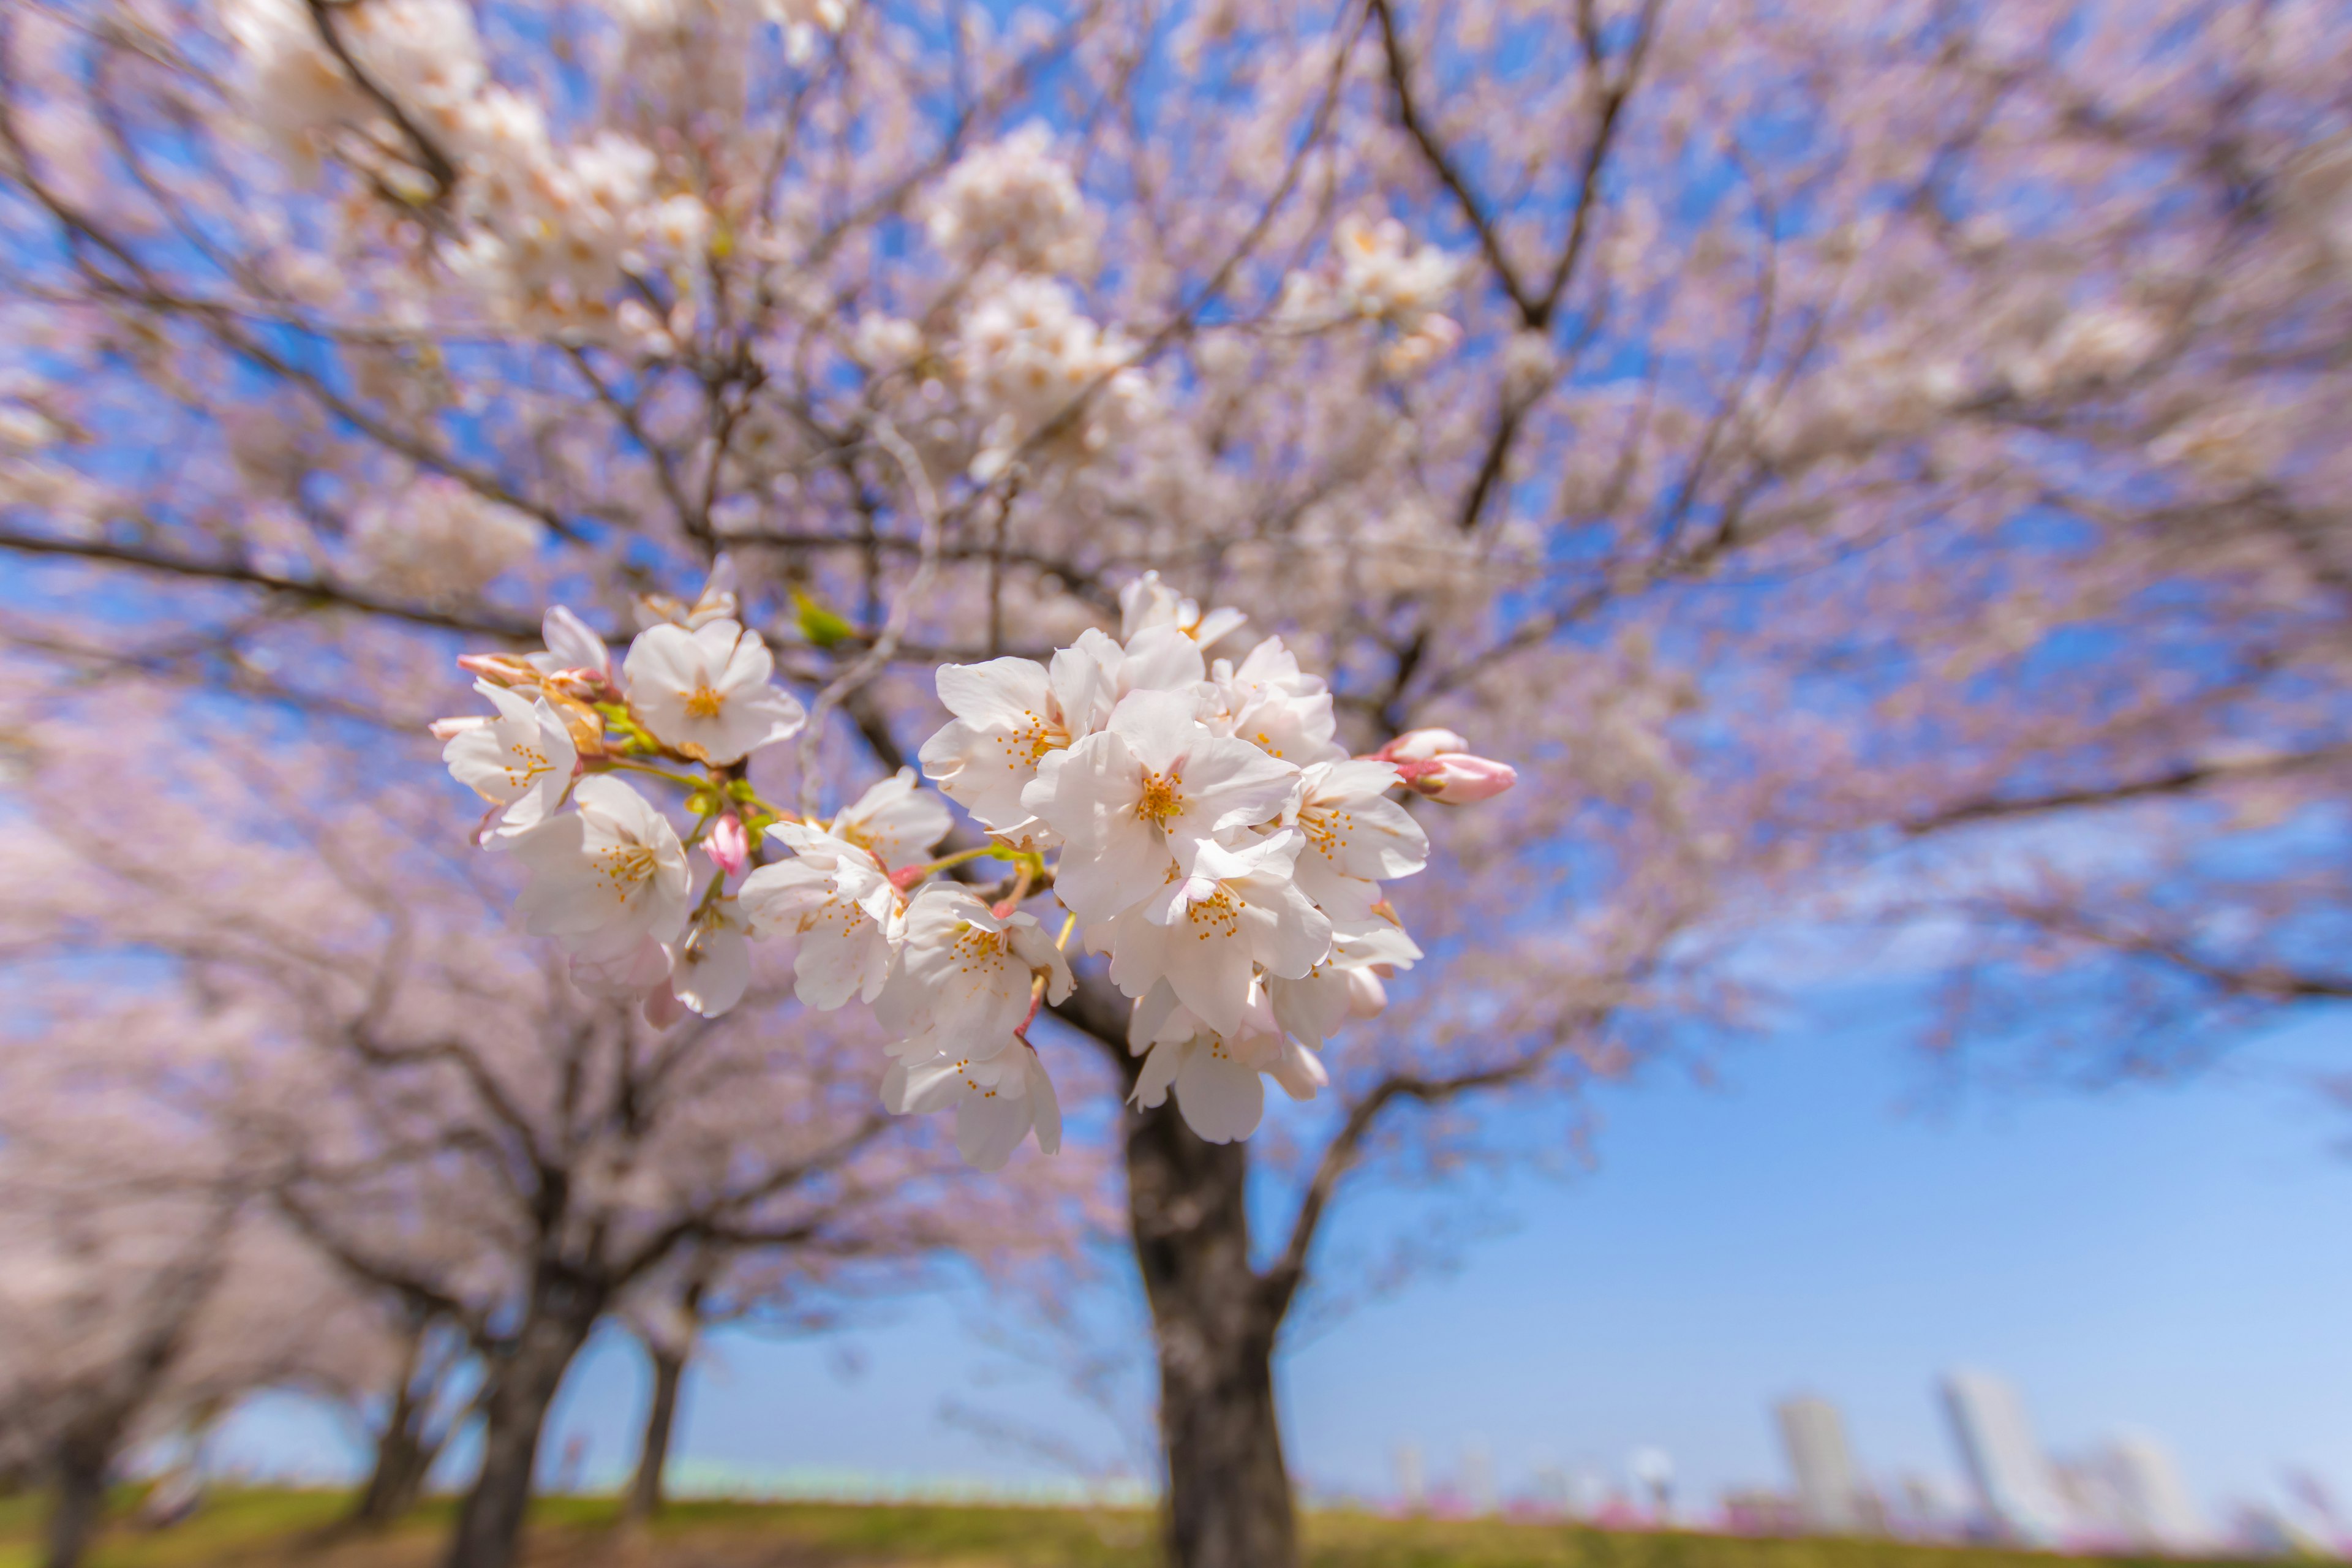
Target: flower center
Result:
[[1032, 739], [1219, 914], [624, 866], [527, 763], [702, 702], [975, 946], [1163, 799]]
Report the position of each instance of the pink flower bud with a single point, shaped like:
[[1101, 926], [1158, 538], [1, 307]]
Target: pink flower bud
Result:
[[729, 847], [662, 1007], [1458, 778], [1420, 745], [503, 667]]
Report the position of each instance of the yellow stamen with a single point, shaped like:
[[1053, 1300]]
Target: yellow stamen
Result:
[[1162, 801]]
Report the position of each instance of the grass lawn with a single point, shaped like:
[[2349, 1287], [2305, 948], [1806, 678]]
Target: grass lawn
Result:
[[277, 1529]]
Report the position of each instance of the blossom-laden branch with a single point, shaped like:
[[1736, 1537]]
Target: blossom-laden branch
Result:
[[1205, 832]]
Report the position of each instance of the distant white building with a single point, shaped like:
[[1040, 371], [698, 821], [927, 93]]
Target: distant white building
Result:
[[1478, 1493], [1653, 1473], [1829, 1488], [2156, 1506], [2012, 1477], [1412, 1483]]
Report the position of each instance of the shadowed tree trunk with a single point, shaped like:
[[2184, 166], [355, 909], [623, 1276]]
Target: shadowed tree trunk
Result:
[[514, 1413], [1229, 1501], [404, 1455], [645, 1498], [83, 1461]]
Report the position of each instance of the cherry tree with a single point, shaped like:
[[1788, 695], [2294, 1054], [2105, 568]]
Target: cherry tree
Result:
[[146, 1288], [1797, 444], [488, 1137]]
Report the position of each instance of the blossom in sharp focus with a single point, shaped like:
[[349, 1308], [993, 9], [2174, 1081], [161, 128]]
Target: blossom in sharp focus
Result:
[[606, 875], [521, 759], [1209, 931], [1353, 831], [1134, 802], [966, 976], [1148, 602], [1008, 713], [1268, 701], [894, 821], [837, 899], [998, 1102], [709, 693]]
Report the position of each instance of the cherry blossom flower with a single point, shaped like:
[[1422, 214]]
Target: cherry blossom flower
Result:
[[571, 645], [998, 1101], [1134, 802], [710, 966], [1015, 201], [1269, 702], [521, 761], [708, 693], [966, 975], [1208, 931], [839, 901], [1008, 714], [605, 875], [1148, 602], [1314, 1006], [1215, 1076], [1354, 832], [894, 821]]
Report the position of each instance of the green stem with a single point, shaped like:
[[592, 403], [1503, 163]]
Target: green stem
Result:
[[683, 781]]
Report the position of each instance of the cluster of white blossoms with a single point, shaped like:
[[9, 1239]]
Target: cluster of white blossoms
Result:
[[1193, 816], [1014, 201], [437, 539], [1024, 353], [1379, 275], [546, 232]]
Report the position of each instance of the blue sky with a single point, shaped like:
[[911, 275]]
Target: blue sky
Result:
[[1825, 1217]]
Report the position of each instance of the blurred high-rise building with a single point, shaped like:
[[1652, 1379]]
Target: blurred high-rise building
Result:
[[2013, 1483], [1478, 1493], [1829, 1490], [1412, 1485], [2156, 1506]]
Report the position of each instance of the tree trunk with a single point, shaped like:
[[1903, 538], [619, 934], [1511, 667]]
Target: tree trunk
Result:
[[1229, 1502], [82, 1462], [489, 1522], [401, 1455], [645, 1498], [402, 1460]]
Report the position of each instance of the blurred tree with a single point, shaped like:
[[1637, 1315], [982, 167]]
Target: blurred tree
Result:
[[1882, 450]]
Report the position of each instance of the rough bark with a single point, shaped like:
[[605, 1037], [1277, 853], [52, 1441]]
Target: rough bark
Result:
[[79, 1501], [1229, 1502], [645, 1498], [524, 1383]]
